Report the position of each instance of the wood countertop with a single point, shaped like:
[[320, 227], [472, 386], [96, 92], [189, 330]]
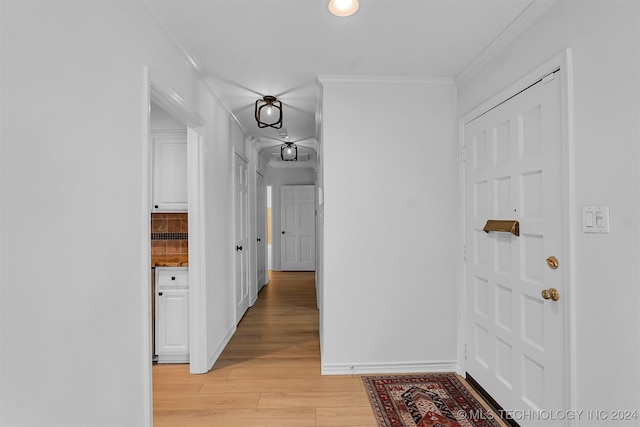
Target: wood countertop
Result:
[[171, 264]]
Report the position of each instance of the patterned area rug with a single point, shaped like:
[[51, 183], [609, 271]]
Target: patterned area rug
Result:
[[425, 400]]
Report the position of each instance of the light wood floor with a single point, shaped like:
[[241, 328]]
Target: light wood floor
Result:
[[268, 375]]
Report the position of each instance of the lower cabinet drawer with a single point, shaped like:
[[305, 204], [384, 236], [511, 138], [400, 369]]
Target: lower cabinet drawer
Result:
[[172, 277]]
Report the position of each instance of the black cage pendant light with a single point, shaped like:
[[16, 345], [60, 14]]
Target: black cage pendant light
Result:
[[269, 112], [289, 152]]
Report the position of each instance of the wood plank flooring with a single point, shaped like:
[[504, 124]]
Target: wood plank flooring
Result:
[[268, 375]]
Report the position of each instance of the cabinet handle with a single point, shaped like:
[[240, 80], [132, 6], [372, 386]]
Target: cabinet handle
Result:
[[155, 206], [259, 239], [159, 293], [173, 277]]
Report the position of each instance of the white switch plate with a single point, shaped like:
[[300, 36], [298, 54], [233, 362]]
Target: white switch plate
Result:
[[595, 219]]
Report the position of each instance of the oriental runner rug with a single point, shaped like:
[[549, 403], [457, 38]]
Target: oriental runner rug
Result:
[[425, 400]]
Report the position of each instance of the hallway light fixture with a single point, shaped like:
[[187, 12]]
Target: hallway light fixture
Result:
[[289, 152], [268, 112], [343, 8]]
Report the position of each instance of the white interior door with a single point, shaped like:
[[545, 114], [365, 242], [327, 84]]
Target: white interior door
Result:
[[241, 224], [298, 234], [513, 171]]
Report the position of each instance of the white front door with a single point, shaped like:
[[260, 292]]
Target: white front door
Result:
[[298, 234], [241, 225], [513, 171]]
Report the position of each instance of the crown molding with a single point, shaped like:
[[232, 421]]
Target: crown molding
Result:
[[190, 60], [385, 80], [188, 57], [529, 15], [171, 101], [215, 92]]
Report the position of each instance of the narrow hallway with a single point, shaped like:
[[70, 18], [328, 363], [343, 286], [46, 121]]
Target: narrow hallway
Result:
[[268, 375]]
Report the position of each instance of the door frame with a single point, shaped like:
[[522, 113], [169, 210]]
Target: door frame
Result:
[[248, 251], [563, 62], [261, 222], [156, 90]]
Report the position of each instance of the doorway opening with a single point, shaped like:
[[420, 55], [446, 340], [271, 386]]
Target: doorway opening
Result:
[[269, 228], [169, 237], [186, 251]]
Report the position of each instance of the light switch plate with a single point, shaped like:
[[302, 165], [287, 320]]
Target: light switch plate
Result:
[[595, 219]]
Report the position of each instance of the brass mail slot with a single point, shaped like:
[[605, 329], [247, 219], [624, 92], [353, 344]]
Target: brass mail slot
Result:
[[507, 226]]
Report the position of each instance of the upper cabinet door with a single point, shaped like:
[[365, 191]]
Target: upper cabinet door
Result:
[[169, 171]]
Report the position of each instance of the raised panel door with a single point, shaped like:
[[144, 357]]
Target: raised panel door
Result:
[[170, 189], [241, 233], [172, 325], [298, 227], [515, 338]]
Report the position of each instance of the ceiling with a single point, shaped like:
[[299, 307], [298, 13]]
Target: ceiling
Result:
[[250, 48]]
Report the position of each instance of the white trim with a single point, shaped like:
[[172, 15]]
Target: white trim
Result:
[[215, 92], [563, 62], [531, 77], [197, 266], [529, 15], [242, 156], [173, 358], [462, 263], [385, 80], [169, 132], [171, 101], [389, 368], [160, 93], [218, 351], [145, 219], [566, 70], [188, 58]]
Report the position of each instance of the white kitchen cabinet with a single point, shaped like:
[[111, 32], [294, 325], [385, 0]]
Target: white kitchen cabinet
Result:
[[169, 171], [172, 314]]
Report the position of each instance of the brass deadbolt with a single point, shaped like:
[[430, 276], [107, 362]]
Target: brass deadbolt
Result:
[[552, 262]]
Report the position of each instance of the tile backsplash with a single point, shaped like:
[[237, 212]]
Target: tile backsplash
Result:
[[169, 239]]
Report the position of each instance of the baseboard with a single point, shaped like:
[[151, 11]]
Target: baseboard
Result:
[[173, 358], [497, 409], [216, 354], [389, 368]]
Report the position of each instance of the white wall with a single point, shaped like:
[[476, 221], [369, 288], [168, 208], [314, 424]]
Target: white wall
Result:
[[277, 177], [160, 119], [390, 171], [72, 326], [220, 136], [605, 40]]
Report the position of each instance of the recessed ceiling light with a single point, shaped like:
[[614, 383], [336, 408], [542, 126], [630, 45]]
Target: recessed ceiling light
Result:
[[343, 8]]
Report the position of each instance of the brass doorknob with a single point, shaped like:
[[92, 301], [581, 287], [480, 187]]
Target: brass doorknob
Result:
[[551, 293], [552, 262]]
